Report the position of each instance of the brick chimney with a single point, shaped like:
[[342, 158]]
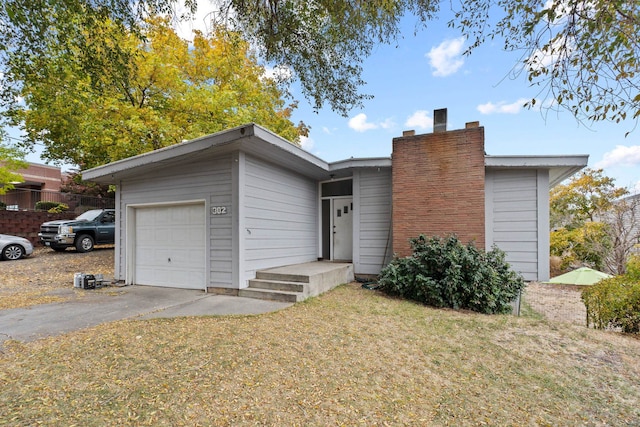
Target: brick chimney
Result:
[[438, 186]]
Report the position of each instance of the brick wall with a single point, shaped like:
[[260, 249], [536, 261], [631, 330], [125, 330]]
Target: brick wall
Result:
[[27, 223], [438, 186]]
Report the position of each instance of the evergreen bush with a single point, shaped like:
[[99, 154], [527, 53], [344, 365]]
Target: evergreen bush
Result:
[[442, 272]]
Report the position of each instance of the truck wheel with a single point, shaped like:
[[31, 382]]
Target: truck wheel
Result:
[[58, 248], [84, 243], [13, 252]]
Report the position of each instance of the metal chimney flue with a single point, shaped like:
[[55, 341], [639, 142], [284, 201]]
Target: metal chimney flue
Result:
[[440, 120]]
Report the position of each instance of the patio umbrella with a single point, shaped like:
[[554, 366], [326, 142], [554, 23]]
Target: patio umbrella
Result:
[[580, 276]]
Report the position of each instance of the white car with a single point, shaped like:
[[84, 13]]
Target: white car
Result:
[[13, 247]]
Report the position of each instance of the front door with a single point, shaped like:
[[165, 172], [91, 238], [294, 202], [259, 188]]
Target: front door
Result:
[[342, 228]]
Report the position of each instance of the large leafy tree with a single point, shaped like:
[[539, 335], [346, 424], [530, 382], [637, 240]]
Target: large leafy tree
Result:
[[592, 223], [169, 92], [583, 53]]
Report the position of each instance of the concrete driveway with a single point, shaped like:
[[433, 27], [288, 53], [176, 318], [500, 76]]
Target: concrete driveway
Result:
[[116, 303]]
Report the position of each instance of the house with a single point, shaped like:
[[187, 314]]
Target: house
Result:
[[39, 180], [209, 213]]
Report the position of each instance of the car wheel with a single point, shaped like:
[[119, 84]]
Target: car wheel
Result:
[[58, 248], [84, 243], [13, 252]]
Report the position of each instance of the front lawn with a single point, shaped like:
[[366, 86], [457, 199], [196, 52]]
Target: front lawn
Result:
[[349, 357]]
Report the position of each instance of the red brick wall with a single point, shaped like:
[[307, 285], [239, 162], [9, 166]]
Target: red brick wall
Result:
[[27, 223], [438, 187]]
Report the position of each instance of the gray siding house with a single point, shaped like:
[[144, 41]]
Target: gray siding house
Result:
[[209, 213]]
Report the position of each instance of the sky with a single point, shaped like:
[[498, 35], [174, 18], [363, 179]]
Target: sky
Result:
[[427, 71]]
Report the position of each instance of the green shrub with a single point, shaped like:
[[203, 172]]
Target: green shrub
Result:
[[633, 267], [446, 273], [51, 207], [614, 303], [3, 206], [59, 209], [45, 206]]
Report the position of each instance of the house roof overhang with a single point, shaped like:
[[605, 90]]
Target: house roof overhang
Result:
[[250, 138], [265, 144], [560, 167]]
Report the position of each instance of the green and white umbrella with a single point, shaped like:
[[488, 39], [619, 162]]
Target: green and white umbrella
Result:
[[580, 276]]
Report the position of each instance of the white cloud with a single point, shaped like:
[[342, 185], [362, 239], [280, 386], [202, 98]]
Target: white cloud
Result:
[[620, 156], [360, 123], [307, 143], [388, 124], [420, 119], [502, 107], [446, 58], [326, 130]]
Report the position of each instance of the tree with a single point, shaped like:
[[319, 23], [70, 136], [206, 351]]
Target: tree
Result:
[[623, 226], [587, 195], [592, 223], [10, 162], [584, 54], [170, 92]]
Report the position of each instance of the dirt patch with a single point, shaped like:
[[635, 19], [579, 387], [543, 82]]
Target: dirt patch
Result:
[[47, 276], [556, 302]]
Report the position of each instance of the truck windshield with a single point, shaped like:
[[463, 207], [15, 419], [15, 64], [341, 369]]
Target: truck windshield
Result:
[[89, 215]]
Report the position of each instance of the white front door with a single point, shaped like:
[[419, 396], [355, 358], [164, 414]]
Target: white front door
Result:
[[342, 228], [170, 246]]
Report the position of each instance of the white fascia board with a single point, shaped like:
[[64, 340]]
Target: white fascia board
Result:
[[368, 162], [578, 160], [167, 153], [560, 167]]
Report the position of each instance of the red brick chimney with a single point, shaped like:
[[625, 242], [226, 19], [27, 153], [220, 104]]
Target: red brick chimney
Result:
[[438, 185]]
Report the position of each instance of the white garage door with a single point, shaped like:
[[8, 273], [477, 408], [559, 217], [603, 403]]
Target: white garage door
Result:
[[170, 246]]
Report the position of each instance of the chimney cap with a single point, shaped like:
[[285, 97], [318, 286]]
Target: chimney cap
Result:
[[408, 133], [470, 125]]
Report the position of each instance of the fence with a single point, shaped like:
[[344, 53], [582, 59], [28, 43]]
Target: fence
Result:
[[558, 303], [26, 199]]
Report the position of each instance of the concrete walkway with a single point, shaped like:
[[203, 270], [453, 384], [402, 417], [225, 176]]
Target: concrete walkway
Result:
[[116, 303]]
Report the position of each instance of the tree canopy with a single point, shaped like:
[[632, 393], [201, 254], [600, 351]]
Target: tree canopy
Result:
[[593, 222], [584, 54], [169, 91], [10, 162]]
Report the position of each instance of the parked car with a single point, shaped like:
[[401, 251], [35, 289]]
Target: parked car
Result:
[[14, 247], [93, 227]]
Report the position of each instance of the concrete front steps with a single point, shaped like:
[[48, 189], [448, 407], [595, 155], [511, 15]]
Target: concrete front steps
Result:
[[293, 283]]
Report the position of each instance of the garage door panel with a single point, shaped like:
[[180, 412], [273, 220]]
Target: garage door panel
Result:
[[170, 246]]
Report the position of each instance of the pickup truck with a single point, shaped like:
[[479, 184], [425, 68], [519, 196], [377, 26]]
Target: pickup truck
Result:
[[91, 228]]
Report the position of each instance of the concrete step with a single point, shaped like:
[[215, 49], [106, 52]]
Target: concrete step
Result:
[[282, 277], [270, 295], [277, 285]]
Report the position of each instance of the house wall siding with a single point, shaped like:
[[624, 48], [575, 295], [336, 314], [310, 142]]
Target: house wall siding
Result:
[[280, 219], [438, 187], [372, 223], [515, 204], [208, 180]]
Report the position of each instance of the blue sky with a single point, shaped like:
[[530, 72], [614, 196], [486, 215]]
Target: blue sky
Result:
[[427, 71]]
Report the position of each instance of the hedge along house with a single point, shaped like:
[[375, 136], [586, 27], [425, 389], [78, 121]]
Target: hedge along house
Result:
[[212, 212]]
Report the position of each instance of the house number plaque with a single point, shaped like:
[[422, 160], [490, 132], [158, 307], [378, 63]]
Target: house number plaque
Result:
[[218, 210]]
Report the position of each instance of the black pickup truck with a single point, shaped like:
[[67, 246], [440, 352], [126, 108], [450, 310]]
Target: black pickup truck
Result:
[[93, 227]]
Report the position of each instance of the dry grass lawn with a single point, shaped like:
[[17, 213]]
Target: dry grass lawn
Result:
[[349, 357]]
